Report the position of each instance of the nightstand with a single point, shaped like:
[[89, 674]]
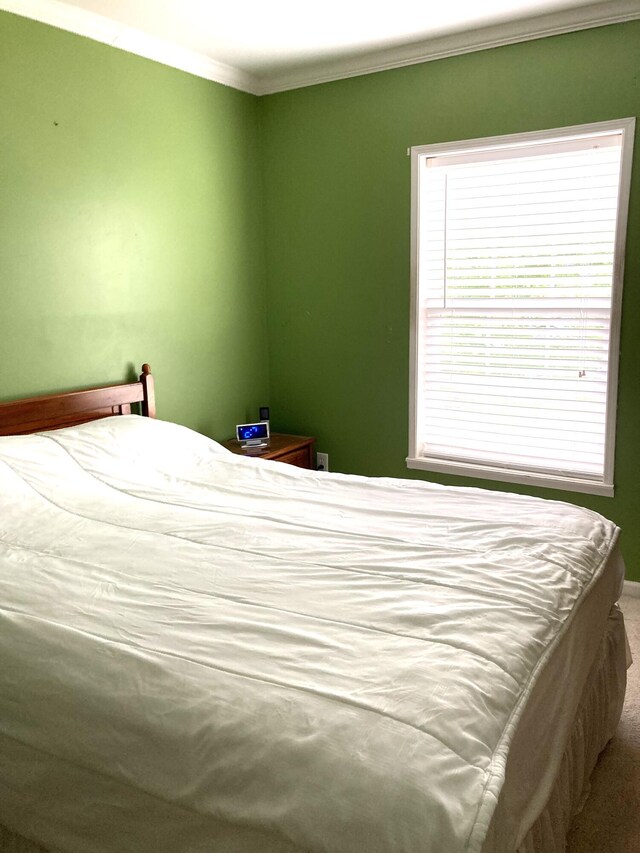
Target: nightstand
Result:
[[291, 449]]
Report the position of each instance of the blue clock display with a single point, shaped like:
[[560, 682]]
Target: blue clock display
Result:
[[252, 432]]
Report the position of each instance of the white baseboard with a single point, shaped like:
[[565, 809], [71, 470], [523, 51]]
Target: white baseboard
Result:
[[632, 589]]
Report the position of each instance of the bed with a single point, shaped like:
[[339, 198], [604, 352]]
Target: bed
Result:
[[205, 652]]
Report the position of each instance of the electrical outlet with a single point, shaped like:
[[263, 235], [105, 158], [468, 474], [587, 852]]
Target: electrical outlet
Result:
[[322, 461]]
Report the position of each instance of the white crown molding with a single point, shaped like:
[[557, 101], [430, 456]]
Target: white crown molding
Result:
[[102, 29], [482, 38]]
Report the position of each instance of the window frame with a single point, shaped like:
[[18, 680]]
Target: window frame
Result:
[[475, 469]]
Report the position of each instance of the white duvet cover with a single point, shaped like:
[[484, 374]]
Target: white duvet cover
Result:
[[338, 661]]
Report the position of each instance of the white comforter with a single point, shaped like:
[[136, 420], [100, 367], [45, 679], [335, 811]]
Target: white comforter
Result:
[[341, 661]]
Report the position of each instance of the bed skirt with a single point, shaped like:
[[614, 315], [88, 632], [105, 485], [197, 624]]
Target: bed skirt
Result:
[[12, 843], [595, 724]]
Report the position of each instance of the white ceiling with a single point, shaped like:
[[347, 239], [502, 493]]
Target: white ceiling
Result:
[[268, 45]]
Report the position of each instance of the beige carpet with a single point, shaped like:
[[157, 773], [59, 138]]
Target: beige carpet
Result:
[[610, 820]]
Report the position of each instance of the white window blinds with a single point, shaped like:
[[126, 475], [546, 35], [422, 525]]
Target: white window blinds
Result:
[[515, 256]]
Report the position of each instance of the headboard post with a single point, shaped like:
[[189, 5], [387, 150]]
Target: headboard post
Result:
[[149, 401]]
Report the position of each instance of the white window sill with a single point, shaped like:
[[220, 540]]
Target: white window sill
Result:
[[525, 478]]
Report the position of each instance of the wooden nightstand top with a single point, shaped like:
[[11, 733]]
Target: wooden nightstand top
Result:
[[292, 449]]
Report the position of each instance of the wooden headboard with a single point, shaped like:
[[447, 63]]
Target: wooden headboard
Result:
[[34, 414]]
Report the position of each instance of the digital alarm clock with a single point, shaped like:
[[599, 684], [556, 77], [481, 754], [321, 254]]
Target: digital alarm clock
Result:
[[253, 435]]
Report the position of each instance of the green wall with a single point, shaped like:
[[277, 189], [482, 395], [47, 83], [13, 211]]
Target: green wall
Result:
[[136, 203], [337, 234], [131, 228]]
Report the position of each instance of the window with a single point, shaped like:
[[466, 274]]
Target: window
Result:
[[517, 262]]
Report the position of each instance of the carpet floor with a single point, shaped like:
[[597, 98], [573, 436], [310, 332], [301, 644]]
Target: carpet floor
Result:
[[610, 819]]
